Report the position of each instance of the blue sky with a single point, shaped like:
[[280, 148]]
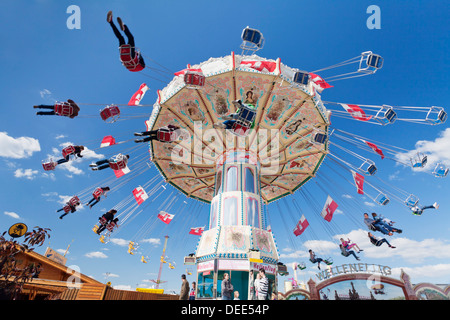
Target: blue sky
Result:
[[43, 61]]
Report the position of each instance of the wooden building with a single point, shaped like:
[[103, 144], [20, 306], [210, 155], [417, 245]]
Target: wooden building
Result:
[[58, 282]]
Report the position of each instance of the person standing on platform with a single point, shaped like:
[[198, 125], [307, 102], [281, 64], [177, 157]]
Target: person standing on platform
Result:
[[192, 292], [263, 285], [184, 292], [227, 287]]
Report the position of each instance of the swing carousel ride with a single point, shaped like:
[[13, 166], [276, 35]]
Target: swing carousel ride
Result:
[[251, 131]]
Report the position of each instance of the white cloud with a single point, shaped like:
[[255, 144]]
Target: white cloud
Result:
[[60, 136], [153, 241], [428, 271], [10, 164], [17, 148], [50, 175], [49, 194], [347, 196], [96, 254], [12, 214], [29, 174], [294, 254], [369, 204], [120, 242], [436, 151], [320, 246], [111, 275], [45, 93]]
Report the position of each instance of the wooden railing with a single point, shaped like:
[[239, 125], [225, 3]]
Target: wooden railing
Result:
[[113, 294]]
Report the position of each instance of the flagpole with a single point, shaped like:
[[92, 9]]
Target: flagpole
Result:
[[161, 264], [67, 248]]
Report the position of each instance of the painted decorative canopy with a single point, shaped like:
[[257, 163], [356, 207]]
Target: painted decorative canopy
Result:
[[288, 115]]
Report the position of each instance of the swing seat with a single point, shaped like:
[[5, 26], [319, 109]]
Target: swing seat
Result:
[[301, 77], [375, 61], [382, 199], [165, 135], [252, 39], [74, 201], [110, 226], [440, 171], [143, 259], [68, 151], [66, 209], [63, 109], [419, 162], [110, 113], [95, 228], [240, 130], [244, 120], [246, 114], [411, 201], [102, 221], [131, 248], [301, 266], [128, 61], [386, 115], [103, 239], [370, 62], [194, 80], [319, 138], [118, 163], [368, 167], [436, 115], [97, 193], [328, 261], [48, 166]]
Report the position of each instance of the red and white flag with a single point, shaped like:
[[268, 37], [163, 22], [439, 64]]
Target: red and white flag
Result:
[[121, 172], [320, 83], [107, 141], [359, 181], [375, 148], [182, 72], [140, 195], [301, 226], [356, 112], [197, 231], [263, 66], [165, 217], [137, 97], [328, 209]]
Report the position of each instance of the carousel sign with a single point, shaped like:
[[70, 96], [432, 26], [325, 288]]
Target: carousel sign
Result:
[[353, 268]]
